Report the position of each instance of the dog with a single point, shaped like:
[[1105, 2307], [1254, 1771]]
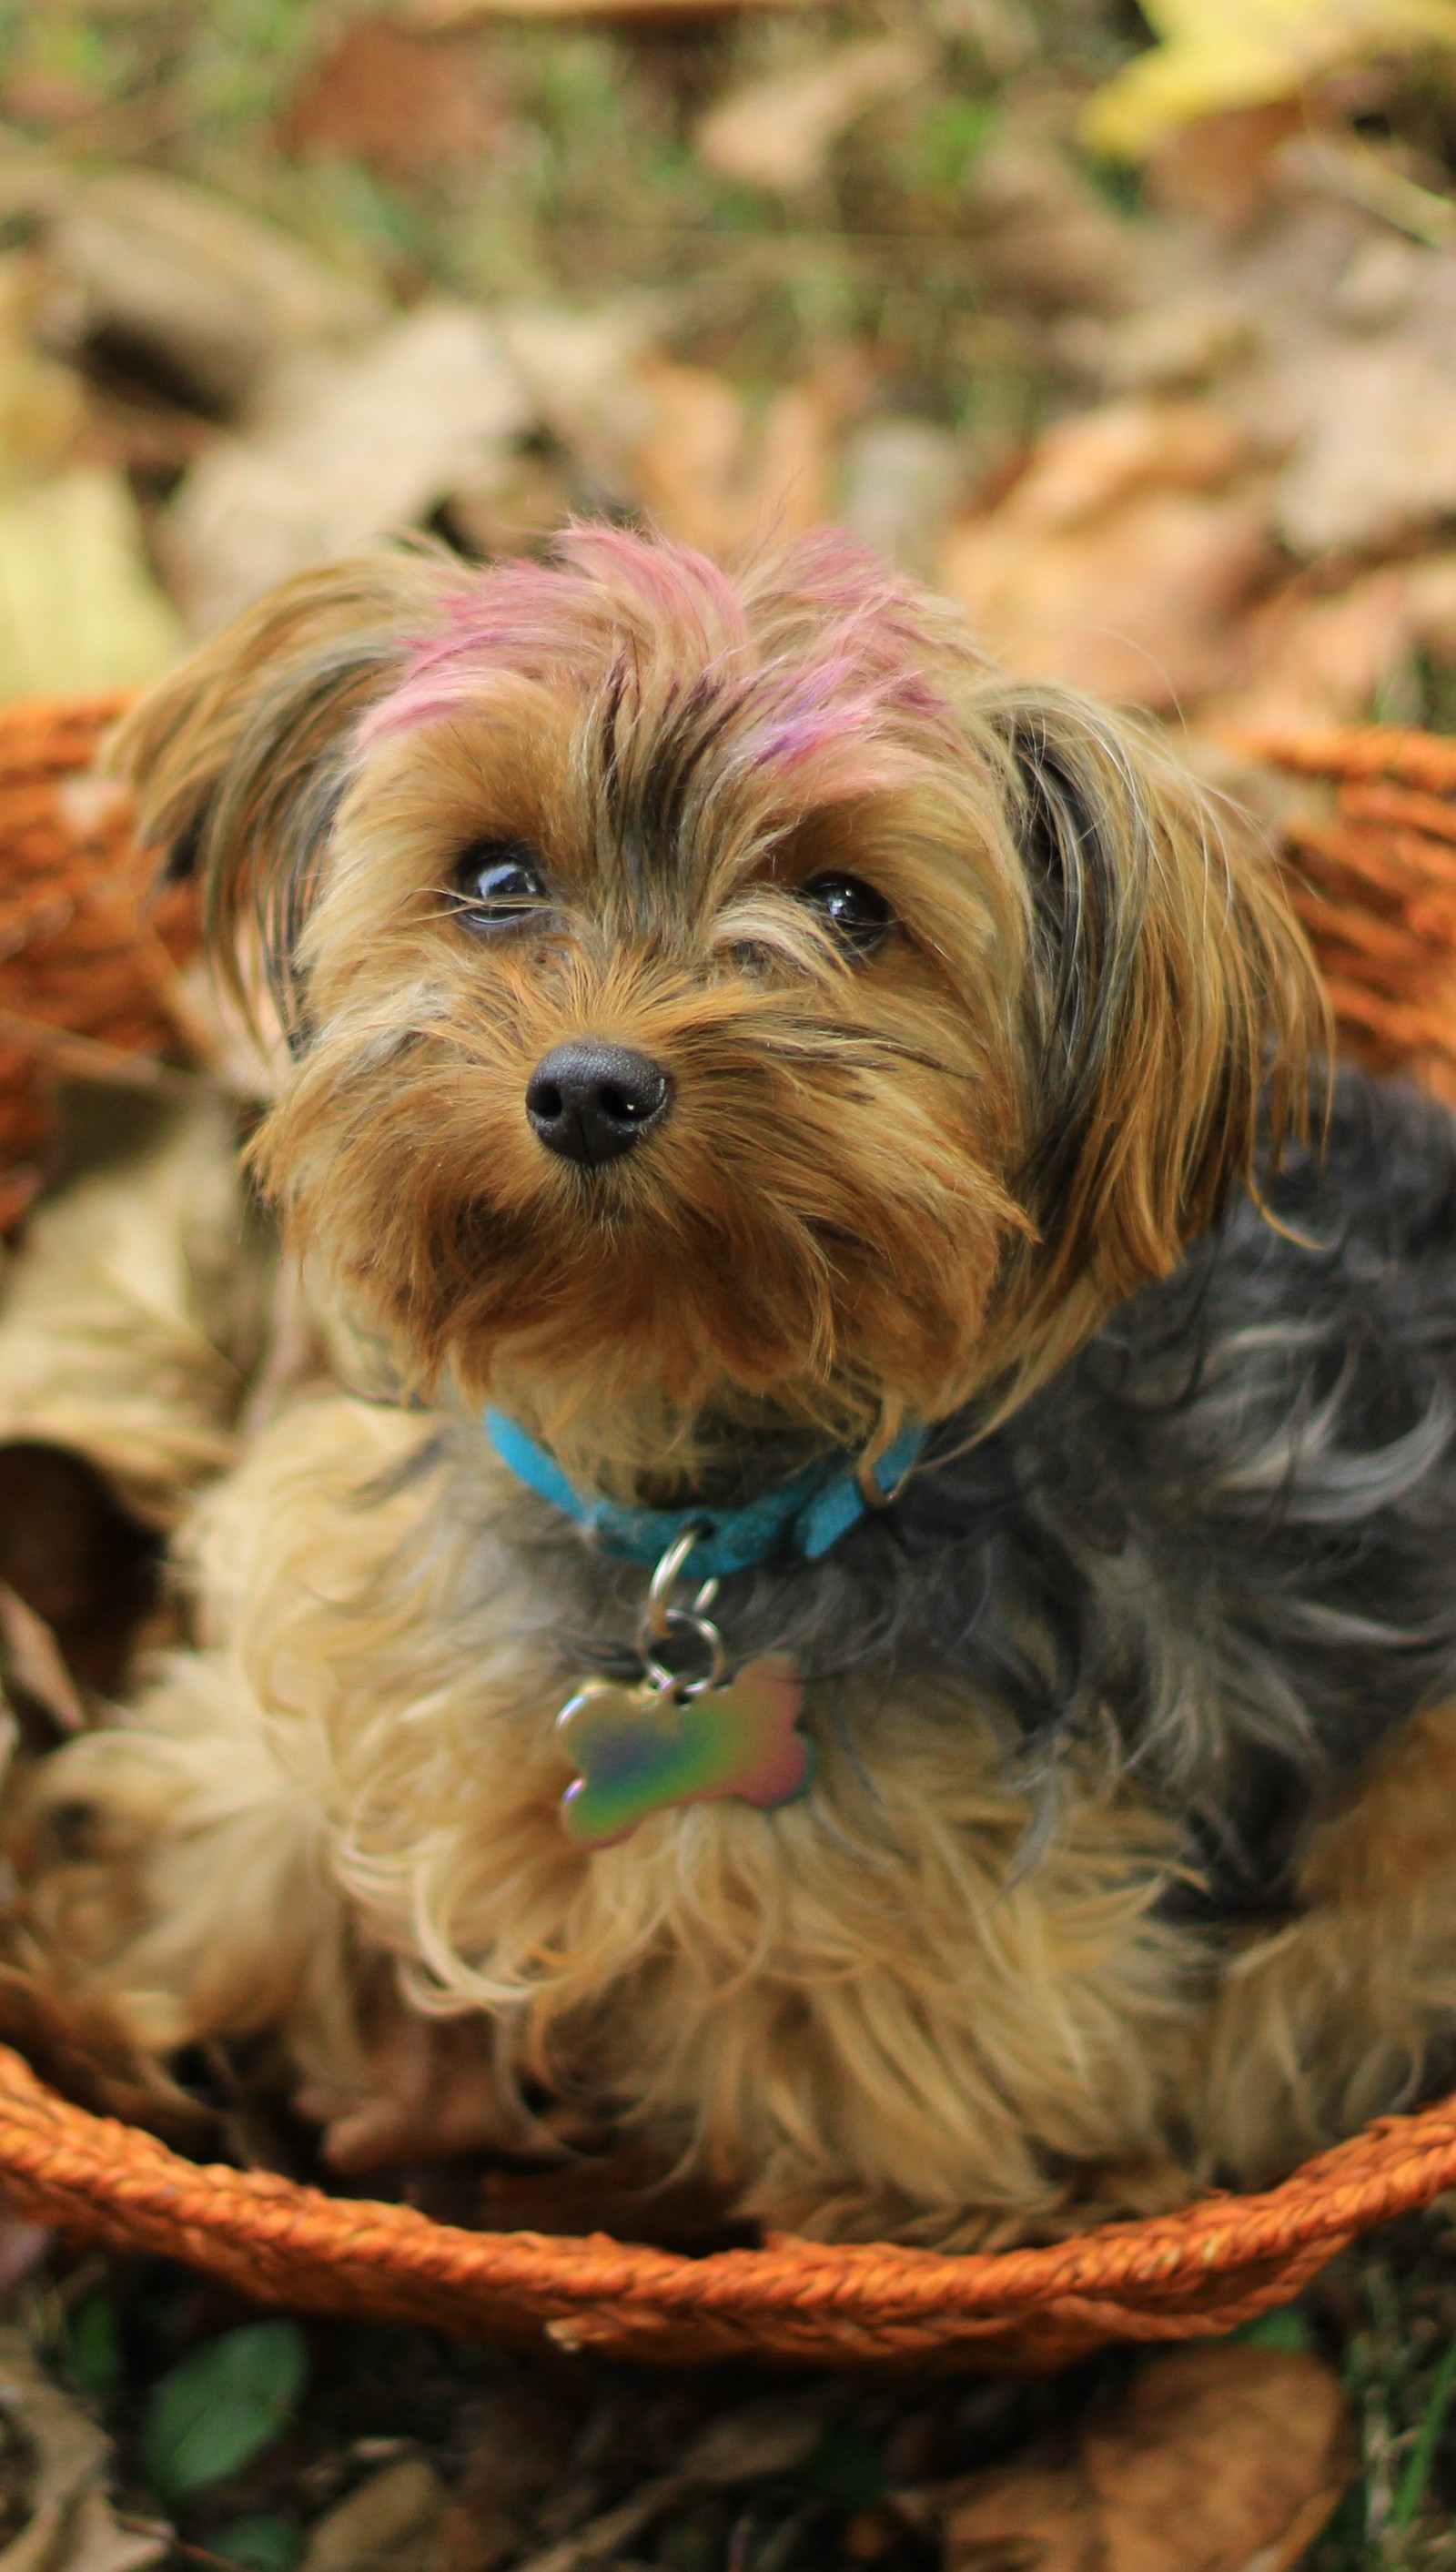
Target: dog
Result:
[[896, 1637]]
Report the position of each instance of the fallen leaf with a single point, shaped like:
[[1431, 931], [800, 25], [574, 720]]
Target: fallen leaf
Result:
[[583, 372], [264, 2542], [1225, 166], [344, 450], [79, 608], [1220, 2458], [209, 297], [389, 2524], [1215, 54], [221, 2405], [1306, 658], [1378, 457], [398, 98], [71, 2527], [706, 471], [1121, 557], [779, 132]]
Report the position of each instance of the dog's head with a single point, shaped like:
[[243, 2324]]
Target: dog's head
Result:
[[718, 996]]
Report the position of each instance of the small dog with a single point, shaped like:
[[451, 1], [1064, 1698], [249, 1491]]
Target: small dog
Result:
[[897, 1642]]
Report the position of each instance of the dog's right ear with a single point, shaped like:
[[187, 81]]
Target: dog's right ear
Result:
[[237, 758]]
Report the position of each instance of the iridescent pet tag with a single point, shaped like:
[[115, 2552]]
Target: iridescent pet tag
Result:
[[639, 1750]]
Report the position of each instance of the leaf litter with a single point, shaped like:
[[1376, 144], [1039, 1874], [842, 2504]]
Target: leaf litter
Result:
[[1135, 337]]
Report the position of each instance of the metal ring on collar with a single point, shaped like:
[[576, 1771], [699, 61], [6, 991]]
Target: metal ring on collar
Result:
[[681, 1620]]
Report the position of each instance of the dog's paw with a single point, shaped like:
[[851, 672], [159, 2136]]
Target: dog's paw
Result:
[[81, 1839]]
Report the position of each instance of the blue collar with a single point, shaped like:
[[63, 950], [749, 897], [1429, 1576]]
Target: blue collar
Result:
[[804, 1516]]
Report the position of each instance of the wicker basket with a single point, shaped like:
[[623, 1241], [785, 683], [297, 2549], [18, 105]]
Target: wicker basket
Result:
[[1373, 872], [86, 954]]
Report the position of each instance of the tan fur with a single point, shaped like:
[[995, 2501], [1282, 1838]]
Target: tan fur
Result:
[[860, 2017], [1330, 2021]]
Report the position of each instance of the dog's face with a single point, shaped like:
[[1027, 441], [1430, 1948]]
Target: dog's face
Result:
[[716, 997]]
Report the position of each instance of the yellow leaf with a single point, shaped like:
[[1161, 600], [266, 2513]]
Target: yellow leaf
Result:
[[1215, 54], [79, 608]]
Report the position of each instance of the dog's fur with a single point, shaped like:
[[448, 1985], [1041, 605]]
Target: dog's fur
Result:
[[1127, 1862]]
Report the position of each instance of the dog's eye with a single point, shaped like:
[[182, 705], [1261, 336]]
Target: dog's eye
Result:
[[859, 917], [498, 882]]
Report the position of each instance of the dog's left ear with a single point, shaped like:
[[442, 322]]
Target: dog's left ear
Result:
[[1174, 1006], [237, 758]]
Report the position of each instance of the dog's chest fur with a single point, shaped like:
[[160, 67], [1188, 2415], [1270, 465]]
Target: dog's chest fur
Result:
[[1218, 1549]]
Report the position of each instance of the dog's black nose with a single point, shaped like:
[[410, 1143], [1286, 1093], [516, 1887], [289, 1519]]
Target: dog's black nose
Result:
[[591, 1101]]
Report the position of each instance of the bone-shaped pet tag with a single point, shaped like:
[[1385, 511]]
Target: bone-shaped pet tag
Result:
[[639, 1750]]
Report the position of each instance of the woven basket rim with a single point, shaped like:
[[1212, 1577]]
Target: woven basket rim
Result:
[[1394, 2165]]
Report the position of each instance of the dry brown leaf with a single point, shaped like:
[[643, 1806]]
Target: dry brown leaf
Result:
[[1224, 166], [73, 2527], [389, 2524], [1311, 660], [1378, 457], [1123, 555], [396, 96], [1224, 2458], [346, 449], [779, 132], [705, 471], [157, 265], [582, 371]]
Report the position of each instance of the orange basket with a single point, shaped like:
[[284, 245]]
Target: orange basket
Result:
[[1372, 870], [88, 958]]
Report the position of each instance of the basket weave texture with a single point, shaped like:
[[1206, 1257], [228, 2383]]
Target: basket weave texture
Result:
[[1373, 874], [85, 949]]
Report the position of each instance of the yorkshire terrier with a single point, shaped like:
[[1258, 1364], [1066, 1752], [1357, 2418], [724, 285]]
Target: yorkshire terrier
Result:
[[897, 1639]]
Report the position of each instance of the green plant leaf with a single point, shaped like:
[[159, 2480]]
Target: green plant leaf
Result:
[[218, 2409], [94, 2359], [265, 2543], [1285, 2327], [1411, 2489]]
